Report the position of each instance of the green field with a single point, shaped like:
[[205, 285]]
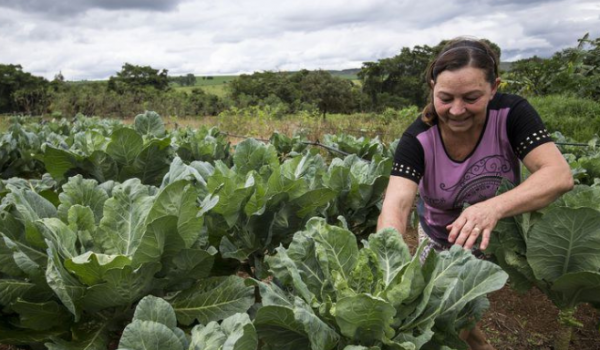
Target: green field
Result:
[[215, 89]]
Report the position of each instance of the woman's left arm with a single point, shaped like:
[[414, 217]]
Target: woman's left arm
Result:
[[550, 178]]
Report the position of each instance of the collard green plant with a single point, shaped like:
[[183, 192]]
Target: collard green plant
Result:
[[123, 156], [360, 186], [154, 327], [363, 147], [263, 205], [339, 296], [18, 147], [556, 251], [207, 145], [71, 273]]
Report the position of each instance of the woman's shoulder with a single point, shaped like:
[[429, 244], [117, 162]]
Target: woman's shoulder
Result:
[[502, 100], [417, 127]]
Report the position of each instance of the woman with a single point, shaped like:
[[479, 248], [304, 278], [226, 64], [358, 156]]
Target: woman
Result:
[[467, 139]]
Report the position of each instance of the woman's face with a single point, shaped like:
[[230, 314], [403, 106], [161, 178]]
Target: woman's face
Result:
[[461, 97]]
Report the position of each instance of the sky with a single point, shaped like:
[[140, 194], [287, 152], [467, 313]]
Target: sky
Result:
[[92, 39]]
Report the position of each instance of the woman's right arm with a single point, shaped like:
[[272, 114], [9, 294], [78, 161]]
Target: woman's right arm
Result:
[[397, 204]]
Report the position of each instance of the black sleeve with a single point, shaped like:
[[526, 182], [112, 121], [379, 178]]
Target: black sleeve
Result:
[[525, 129], [409, 159]]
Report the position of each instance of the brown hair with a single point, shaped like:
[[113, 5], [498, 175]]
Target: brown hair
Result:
[[457, 54]]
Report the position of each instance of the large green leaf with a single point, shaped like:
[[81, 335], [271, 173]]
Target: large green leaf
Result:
[[68, 289], [58, 161], [100, 166], [148, 335], [294, 328], [124, 222], [391, 251], [178, 170], [213, 299], [457, 279], [286, 270], [235, 333], [30, 261], [189, 265], [232, 195], [364, 318], [125, 145], [566, 240], [123, 286], [337, 248], [90, 268], [81, 220], [312, 200], [42, 316], [251, 154], [277, 326], [578, 287], [241, 334], [179, 199], [151, 164], [154, 309], [209, 337], [149, 123], [11, 290], [61, 235], [85, 192], [94, 334], [31, 207]]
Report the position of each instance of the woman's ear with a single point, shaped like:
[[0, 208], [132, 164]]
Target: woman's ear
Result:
[[495, 86], [431, 83]]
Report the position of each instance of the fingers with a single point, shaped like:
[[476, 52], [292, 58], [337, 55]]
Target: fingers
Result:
[[472, 238], [468, 232], [485, 240], [455, 228]]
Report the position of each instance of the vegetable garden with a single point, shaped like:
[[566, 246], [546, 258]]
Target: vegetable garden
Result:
[[138, 237]]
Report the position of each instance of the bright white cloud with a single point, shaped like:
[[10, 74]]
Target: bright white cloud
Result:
[[92, 39]]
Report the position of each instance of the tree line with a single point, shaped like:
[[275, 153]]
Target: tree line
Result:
[[396, 82]]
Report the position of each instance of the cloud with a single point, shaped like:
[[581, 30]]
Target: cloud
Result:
[[62, 8], [92, 39]]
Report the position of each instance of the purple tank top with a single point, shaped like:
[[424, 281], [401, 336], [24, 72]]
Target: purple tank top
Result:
[[447, 185]]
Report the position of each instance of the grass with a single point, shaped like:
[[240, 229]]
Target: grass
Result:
[[4, 122], [575, 117], [219, 90]]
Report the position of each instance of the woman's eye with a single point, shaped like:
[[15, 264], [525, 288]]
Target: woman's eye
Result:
[[470, 99]]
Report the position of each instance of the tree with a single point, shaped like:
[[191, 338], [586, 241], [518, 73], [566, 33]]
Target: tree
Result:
[[190, 79], [21, 91], [573, 71], [138, 78], [260, 85], [330, 94], [398, 81]]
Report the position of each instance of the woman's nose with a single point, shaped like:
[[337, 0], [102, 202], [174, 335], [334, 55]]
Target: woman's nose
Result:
[[457, 108]]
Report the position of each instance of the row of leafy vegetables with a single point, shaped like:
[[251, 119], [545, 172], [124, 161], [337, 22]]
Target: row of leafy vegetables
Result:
[[110, 150], [72, 273], [108, 228]]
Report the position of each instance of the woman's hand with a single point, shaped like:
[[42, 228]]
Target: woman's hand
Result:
[[477, 220]]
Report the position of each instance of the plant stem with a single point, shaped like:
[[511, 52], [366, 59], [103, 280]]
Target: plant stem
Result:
[[567, 321]]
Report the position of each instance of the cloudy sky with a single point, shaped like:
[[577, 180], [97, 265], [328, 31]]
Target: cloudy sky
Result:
[[91, 39]]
